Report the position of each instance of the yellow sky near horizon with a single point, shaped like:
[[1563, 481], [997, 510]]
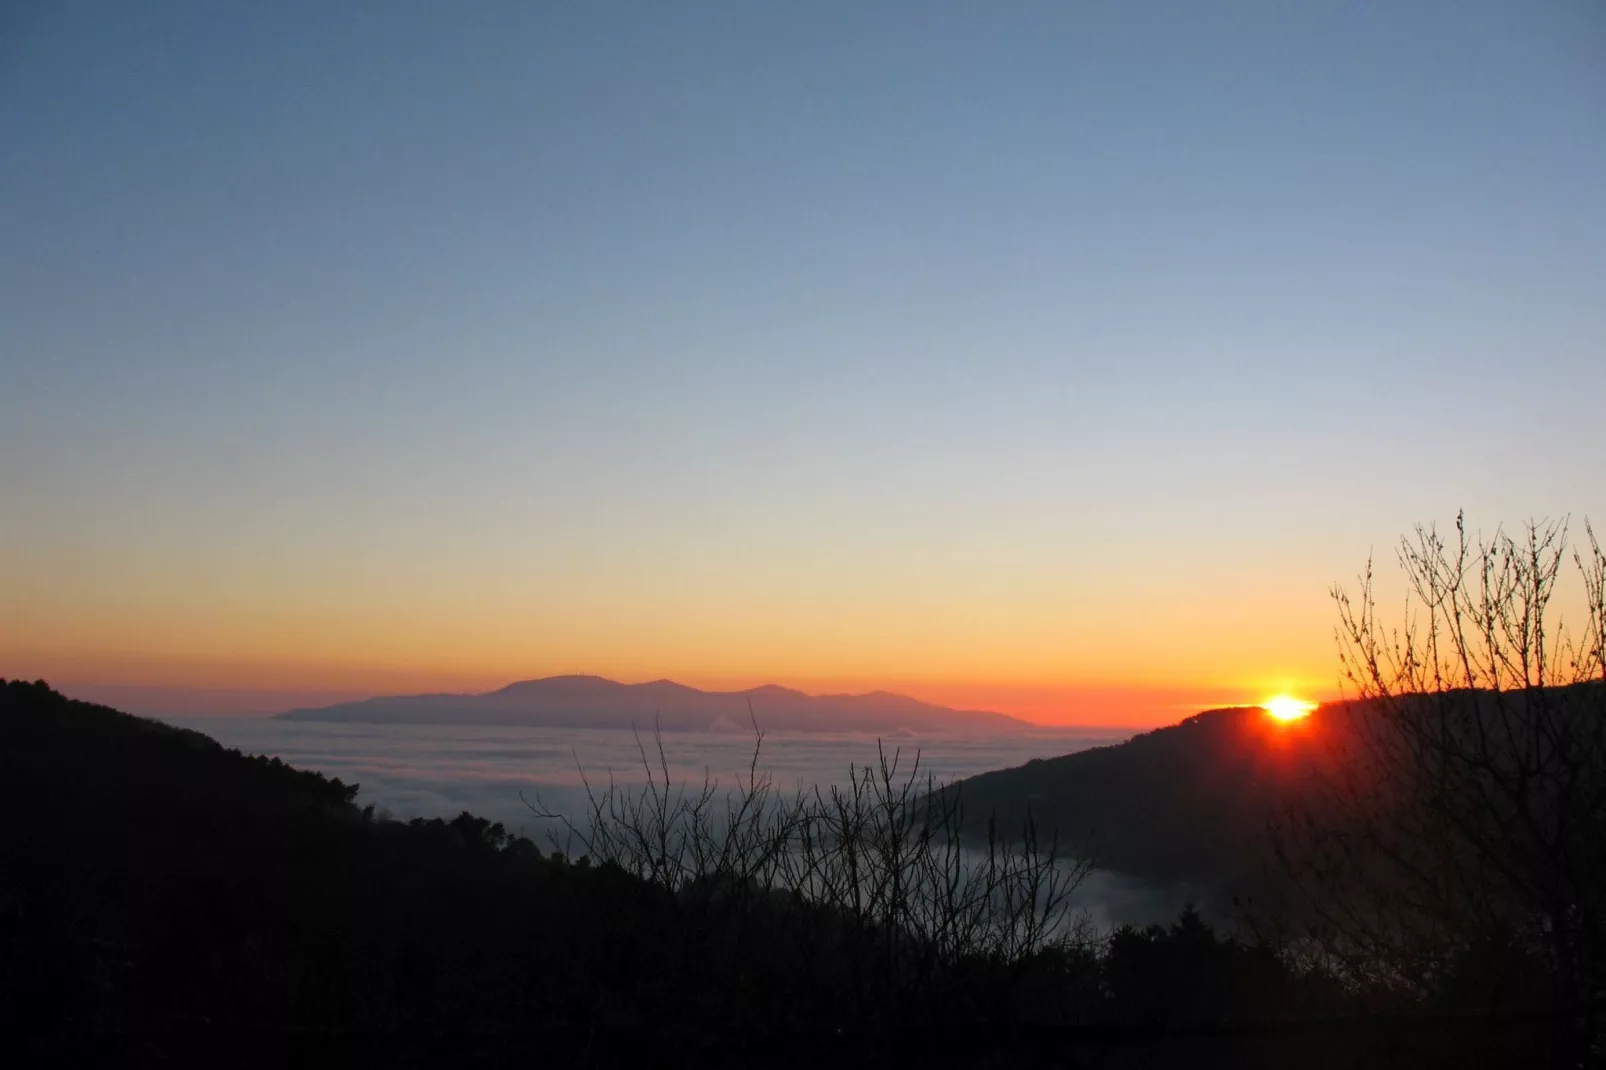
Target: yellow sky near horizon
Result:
[[1135, 630], [1116, 663]]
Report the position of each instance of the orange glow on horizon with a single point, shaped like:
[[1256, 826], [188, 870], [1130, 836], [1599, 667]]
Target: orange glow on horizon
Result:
[[197, 687], [1286, 708], [1034, 635]]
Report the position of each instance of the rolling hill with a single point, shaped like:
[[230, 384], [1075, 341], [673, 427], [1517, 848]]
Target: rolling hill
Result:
[[1187, 803]]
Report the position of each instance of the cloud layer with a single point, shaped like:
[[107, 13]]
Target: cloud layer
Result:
[[439, 770]]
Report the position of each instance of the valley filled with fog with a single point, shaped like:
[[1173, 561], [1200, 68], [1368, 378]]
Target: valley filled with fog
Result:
[[439, 770], [494, 771]]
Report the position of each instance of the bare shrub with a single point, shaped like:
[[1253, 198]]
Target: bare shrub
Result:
[[1455, 847], [873, 868]]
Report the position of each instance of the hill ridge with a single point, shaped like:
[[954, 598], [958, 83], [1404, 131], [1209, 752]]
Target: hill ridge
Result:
[[1187, 802]]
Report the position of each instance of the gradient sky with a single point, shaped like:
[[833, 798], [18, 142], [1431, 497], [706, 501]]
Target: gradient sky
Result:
[[1053, 357]]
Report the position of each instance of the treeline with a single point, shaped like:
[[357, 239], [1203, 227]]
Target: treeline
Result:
[[164, 899]]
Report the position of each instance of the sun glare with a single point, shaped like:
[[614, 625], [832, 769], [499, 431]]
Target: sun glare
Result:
[[1287, 707]]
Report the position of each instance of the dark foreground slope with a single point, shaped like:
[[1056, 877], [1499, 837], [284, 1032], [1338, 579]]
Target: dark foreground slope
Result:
[[165, 902], [1189, 803]]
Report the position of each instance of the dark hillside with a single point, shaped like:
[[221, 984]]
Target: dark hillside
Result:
[[159, 879], [167, 902], [1188, 803]]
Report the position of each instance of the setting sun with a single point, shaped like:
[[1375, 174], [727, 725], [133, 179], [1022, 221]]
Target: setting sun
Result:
[[1287, 708]]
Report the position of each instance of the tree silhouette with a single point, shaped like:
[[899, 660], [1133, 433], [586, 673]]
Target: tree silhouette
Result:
[[1457, 847]]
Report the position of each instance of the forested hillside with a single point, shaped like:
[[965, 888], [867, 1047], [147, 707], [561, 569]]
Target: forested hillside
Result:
[[165, 901]]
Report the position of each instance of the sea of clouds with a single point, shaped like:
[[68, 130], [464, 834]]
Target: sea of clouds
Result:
[[501, 772]]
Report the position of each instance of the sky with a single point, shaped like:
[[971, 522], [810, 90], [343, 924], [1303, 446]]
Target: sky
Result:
[[1053, 358]]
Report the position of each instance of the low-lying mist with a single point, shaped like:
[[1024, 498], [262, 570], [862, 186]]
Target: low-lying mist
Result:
[[500, 773]]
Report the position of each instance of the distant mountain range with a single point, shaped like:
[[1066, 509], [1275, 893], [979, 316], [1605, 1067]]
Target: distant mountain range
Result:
[[595, 702]]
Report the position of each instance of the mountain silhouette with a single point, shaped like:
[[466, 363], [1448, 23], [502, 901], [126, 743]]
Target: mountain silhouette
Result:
[[595, 702]]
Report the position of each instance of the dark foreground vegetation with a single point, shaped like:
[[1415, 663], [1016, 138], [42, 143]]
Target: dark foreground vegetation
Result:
[[1441, 834], [164, 901]]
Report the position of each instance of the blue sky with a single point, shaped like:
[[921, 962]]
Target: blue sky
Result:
[[762, 324]]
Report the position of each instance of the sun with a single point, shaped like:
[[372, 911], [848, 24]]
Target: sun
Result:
[[1287, 707]]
